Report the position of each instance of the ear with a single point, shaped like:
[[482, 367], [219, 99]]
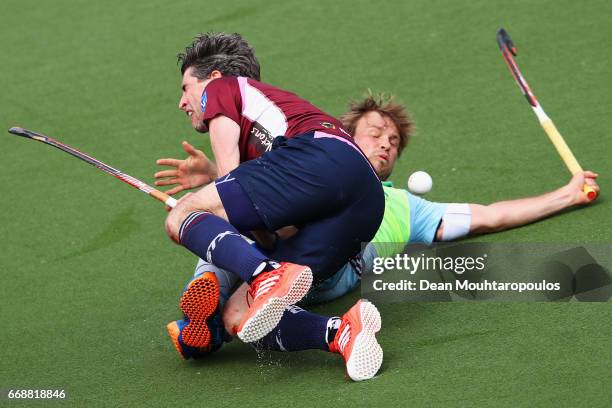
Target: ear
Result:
[[215, 74]]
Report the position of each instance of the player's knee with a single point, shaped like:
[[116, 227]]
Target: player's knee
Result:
[[207, 200], [173, 223]]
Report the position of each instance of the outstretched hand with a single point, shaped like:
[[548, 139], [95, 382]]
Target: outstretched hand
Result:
[[194, 171], [576, 184]]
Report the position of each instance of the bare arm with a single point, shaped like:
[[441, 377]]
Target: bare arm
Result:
[[504, 215], [224, 136]]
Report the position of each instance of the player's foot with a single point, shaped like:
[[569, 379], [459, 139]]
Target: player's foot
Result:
[[355, 340], [272, 292], [199, 332], [174, 331]]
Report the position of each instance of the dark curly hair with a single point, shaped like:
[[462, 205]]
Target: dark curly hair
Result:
[[229, 54]]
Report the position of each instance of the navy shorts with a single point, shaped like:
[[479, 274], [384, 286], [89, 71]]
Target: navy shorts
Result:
[[320, 183]]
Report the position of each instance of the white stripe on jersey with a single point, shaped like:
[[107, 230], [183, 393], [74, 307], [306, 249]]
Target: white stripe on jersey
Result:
[[258, 108]]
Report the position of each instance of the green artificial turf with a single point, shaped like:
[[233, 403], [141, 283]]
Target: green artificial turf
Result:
[[89, 279]]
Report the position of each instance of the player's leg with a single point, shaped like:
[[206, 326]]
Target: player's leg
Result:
[[297, 330], [201, 224], [341, 283], [215, 239], [233, 303], [353, 335]]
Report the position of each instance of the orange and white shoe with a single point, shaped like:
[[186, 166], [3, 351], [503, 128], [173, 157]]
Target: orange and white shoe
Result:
[[355, 340], [271, 293]]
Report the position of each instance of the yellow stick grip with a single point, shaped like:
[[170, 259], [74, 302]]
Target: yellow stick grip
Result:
[[566, 154]]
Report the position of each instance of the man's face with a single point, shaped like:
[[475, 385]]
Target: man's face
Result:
[[379, 139], [191, 97]]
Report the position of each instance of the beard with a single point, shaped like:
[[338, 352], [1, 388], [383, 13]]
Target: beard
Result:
[[384, 174]]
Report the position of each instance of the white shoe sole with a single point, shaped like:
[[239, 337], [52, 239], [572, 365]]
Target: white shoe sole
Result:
[[269, 315], [367, 355]]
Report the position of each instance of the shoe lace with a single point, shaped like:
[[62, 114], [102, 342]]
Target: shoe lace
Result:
[[263, 283]]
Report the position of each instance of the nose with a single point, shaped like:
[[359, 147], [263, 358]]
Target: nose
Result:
[[384, 142], [182, 103]]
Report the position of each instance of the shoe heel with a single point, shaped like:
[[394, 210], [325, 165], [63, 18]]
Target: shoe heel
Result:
[[300, 287], [370, 316]]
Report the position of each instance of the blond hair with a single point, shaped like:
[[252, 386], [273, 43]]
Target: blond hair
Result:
[[384, 105]]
